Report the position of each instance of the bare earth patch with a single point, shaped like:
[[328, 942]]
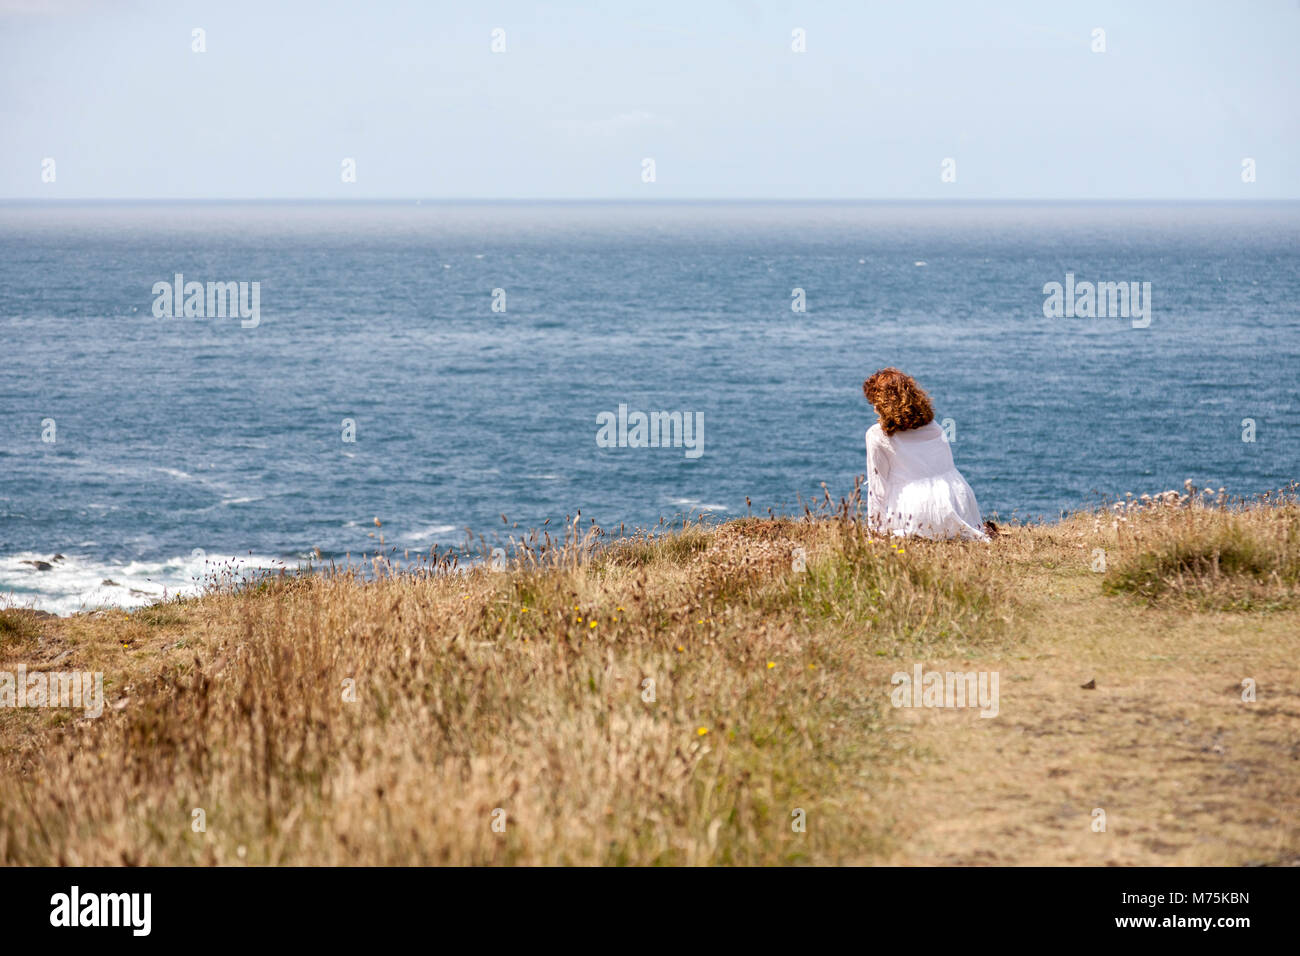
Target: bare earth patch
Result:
[[1185, 771]]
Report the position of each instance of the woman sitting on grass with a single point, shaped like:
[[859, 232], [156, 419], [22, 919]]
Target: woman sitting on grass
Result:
[[913, 487]]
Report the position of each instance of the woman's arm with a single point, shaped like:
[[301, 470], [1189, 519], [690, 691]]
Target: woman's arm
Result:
[[877, 476]]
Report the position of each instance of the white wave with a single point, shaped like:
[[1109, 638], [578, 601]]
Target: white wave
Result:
[[695, 504], [429, 533], [76, 583]]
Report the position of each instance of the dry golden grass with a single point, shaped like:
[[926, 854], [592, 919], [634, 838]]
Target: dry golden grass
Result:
[[1217, 557], [526, 691]]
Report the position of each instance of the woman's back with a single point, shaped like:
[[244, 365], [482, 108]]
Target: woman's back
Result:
[[917, 452], [913, 486]]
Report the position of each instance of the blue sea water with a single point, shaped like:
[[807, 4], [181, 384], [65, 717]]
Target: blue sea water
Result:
[[176, 434]]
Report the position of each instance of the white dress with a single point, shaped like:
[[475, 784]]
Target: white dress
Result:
[[913, 487]]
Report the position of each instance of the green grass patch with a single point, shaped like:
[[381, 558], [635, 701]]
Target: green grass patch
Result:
[[1214, 561]]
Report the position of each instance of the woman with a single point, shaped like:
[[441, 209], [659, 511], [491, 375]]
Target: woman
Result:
[[913, 487]]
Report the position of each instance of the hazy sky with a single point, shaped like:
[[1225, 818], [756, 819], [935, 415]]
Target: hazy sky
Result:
[[712, 91]]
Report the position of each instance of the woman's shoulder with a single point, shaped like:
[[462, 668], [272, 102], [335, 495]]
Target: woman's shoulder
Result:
[[928, 430]]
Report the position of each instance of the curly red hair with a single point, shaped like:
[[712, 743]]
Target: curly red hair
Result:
[[899, 401]]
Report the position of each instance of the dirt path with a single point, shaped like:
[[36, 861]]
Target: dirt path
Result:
[[1185, 771]]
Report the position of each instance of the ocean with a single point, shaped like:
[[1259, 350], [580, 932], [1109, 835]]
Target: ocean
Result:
[[469, 351]]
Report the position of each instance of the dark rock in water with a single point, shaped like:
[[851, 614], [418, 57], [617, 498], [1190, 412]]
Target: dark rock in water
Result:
[[109, 582], [58, 557], [40, 565]]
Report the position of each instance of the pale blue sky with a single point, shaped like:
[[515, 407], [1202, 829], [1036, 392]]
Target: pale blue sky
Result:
[[710, 90]]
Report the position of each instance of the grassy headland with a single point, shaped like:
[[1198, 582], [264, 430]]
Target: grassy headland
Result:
[[690, 698]]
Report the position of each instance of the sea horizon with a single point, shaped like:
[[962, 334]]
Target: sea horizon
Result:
[[638, 200]]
